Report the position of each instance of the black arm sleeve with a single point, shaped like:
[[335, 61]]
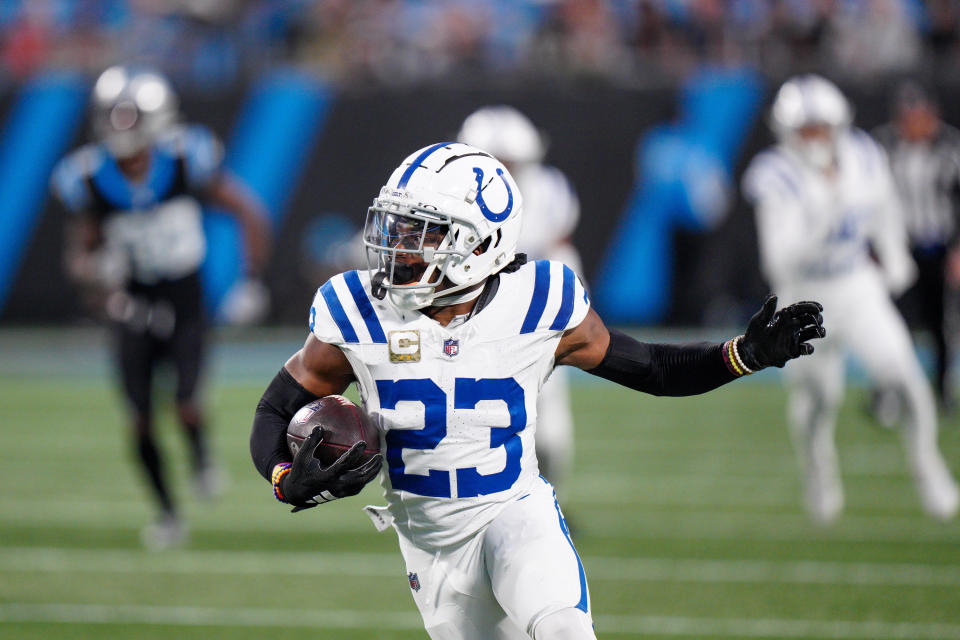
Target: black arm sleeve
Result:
[[268, 438], [664, 369]]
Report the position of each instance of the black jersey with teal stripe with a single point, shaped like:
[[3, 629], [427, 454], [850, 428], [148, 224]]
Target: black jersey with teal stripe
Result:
[[182, 162]]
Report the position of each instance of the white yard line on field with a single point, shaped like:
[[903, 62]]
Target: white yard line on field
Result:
[[208, 616], [360, 565], [399, 620], [602, 520], [775, 628]]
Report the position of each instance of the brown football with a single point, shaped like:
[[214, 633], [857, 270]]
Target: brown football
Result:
[[344, 424]]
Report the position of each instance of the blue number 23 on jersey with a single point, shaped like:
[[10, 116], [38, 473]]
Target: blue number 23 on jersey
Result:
[[468, 392]]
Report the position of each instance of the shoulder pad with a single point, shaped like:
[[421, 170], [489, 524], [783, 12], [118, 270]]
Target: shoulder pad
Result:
[[199, 148], [550, 296], [872, 154], [343, 312], [772, 174], [68, 181]]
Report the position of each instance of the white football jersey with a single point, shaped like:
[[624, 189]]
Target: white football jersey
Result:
[[812, 226], [456, 405]]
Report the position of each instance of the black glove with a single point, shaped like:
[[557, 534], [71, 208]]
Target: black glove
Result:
[[308, 485], [773, 337]]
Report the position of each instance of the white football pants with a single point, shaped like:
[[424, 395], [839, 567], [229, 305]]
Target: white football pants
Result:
[[519, 573], [860, 317]]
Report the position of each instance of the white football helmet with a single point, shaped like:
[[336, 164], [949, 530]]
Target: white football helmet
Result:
[[130, 108], [449, 215], [505, 132], [810, 101]]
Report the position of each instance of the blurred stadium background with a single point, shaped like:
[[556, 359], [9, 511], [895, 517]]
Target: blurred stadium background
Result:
[[687, 512]]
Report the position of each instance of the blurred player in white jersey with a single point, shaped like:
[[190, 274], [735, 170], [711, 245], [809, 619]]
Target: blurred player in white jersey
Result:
[[449, 336], [551, 212], [134, 196], [824, 199]]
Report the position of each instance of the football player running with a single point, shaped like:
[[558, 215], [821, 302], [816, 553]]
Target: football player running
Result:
[[551, 211], [449, 337], [824, 198], [137, 236]]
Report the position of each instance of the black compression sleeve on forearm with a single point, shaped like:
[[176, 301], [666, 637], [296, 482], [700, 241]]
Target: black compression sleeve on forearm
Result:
[[268, 438], [663, 369]]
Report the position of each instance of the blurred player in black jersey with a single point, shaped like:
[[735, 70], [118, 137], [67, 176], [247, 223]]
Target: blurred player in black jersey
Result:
[[137, 236]]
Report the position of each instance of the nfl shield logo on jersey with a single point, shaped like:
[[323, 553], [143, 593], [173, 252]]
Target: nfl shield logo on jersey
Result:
[[414, 581], [451, 347]]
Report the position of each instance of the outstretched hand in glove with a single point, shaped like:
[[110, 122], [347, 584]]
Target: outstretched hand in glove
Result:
[[308, 484], [773, 337]]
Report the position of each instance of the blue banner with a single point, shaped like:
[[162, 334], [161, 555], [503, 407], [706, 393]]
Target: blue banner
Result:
[[683, 181], [41, 124], [267, 152]]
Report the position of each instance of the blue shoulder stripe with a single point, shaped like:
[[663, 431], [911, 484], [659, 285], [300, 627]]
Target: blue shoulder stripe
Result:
[[782, 168], [69, 183], [541, 289], [366, 309], [566, 302], [336, 310]]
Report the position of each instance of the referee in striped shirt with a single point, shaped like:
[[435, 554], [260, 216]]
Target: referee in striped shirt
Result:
[[925, 159]]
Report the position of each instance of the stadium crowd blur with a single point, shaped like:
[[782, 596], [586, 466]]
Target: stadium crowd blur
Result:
[[216, 43]]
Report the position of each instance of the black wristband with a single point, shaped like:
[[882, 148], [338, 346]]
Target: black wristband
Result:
[[663, 369]]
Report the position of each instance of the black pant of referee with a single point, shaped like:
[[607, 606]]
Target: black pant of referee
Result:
[[923, 306]]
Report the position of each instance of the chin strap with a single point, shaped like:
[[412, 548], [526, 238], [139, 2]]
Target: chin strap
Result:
[[490, 287], [379, 290], [449, 301], [376, 285]]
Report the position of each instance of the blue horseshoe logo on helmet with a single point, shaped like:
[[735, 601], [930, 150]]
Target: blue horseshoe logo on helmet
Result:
[[484, 209]]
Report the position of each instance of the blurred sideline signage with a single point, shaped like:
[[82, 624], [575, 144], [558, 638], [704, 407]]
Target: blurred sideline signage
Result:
[[683, 181], [267, 150], [43, 119], [665, 237]]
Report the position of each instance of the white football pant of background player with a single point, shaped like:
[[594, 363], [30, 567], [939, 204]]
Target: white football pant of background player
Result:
[[860, 317], [823, 196], [551, 212]]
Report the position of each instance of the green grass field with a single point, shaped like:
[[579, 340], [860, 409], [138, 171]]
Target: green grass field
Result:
[[686, 513]]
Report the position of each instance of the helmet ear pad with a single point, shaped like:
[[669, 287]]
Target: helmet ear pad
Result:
[[491, 254]]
